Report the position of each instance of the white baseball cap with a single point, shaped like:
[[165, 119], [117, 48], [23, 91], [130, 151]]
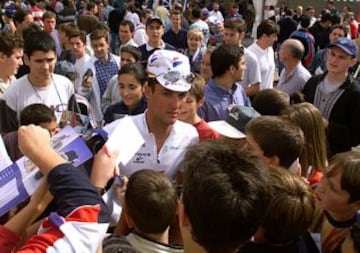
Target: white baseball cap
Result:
[[171, 69]]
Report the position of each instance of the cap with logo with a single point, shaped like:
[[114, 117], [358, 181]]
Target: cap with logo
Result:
[[153, 19], [171, 70], [347, 45], [234, 125]]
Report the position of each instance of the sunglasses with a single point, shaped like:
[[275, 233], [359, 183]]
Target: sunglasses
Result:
[[174, 76]]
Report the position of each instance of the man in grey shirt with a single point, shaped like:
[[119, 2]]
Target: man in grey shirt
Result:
[[294, 75]]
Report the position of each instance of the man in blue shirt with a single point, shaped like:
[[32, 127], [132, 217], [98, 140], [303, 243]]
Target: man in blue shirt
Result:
[[176, 36], [222, 92]]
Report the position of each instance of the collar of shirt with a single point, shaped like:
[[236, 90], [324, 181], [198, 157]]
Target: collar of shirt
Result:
[[221, 90], [149, 48], [109, 60]]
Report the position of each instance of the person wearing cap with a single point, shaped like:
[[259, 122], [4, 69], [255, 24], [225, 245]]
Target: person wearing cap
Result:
[[232, 129], [337, 96], [154, 31], [222, 91], [166, 138]]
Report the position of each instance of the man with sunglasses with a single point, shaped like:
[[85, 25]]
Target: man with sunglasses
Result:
[[337, 96], [166, 138]]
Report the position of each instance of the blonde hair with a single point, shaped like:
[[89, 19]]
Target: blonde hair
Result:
[[309, 119], [195, 33]]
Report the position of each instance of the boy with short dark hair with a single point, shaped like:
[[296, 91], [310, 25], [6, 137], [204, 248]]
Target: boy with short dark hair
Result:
[[150, 206], [290, 212], [188, 110], [41, 85], [37, 114], [223, 204], [276, 141]]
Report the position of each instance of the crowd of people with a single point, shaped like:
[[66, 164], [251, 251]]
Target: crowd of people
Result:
[[233, 158]]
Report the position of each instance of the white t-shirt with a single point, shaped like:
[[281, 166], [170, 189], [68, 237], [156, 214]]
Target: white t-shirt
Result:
[[267, 64], [171, 153], [252, 73], [22, 93]]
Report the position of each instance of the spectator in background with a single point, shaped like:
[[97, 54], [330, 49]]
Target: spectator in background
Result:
[[216, 13], [349, 19], [126, 34], [222, 91], [68, 14], [266, 35], [189, 107], [205, 65], [298, 13], [318, 66], [176, 35], [154, 31], [128, 54], [200, 25], [140, 36], [131, 80], [49, 20], [194, 50], [37, 13], [294, 75], [307, 40], [310, 13], [22, 19], [320, 30], [287, 26]]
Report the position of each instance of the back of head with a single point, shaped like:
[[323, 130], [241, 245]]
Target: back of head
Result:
[[31, 28], [36, 114], [270, 102], [309, 119], [347, 164], [305, 21], [40, 41], [151, 201], [289, 138], [225, 195], [196, 13], [290, 209], [225, 56]]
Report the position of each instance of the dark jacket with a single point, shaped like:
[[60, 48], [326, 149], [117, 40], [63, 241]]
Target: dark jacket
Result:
[[344, 122]]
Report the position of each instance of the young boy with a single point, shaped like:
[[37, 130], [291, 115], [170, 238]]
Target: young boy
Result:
[[290, 211], [150, 206], [276, 141], [41, 85], [338, 200], [37, 114], [189, 107]]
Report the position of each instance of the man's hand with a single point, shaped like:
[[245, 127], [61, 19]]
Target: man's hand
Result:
[[104, 167]]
